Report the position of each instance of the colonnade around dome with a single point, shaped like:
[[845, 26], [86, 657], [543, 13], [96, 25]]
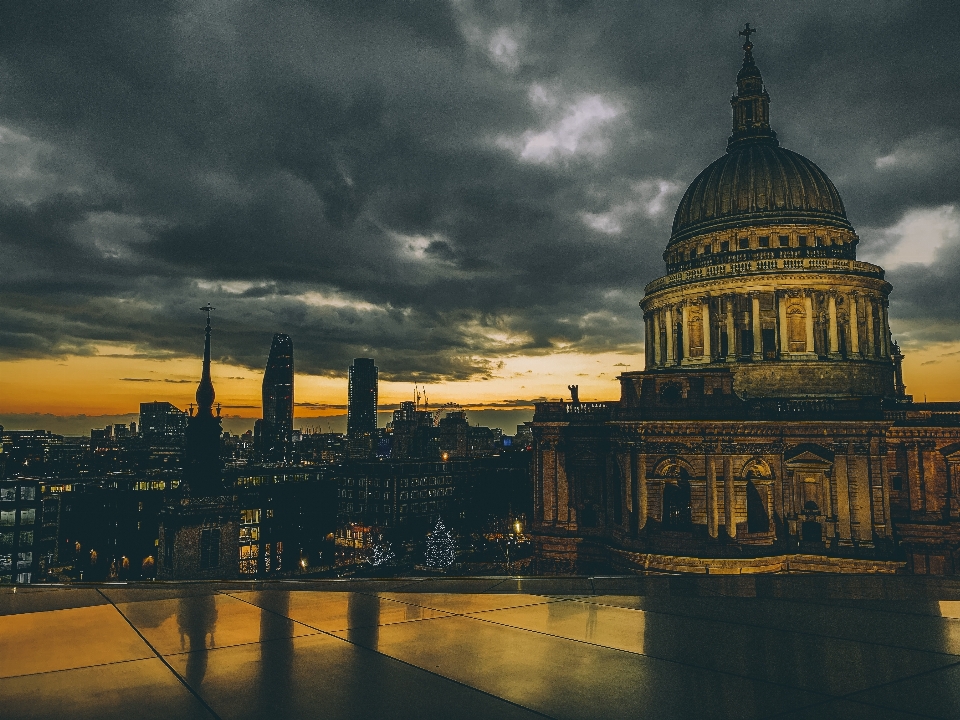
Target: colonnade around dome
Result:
[[759, 314]]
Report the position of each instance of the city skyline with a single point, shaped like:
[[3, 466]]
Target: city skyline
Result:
[[398, 218]]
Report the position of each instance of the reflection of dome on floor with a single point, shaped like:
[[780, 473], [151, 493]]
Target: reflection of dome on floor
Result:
[[770, 430]]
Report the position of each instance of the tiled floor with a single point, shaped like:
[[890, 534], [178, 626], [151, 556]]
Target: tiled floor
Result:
[[647, 647]]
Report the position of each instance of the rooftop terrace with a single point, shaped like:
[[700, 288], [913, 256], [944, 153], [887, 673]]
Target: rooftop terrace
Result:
[[580, 647]]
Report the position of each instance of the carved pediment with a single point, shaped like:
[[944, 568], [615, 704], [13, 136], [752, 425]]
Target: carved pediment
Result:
[[808, 454], [952, 452]]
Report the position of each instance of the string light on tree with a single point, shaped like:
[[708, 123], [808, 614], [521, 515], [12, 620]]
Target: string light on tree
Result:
[[441, 550], [382, 553]]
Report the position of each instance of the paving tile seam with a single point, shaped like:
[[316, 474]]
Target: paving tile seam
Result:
[[661, 659], [79, 667], [239, 644], [35, 612], [806, 633], [545, 601], [405, 662], [354, 627], [162, 659]]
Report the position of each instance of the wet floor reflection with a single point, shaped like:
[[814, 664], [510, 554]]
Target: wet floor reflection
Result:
[[363, 618], [579, 657], [196, 619], [276, 655]]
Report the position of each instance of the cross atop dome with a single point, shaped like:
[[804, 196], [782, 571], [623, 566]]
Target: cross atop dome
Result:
[[751, 104]]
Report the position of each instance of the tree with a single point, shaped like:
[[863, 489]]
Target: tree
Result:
[[382, 552], [441, 550]]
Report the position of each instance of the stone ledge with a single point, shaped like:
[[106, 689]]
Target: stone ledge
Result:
[[750, 566]]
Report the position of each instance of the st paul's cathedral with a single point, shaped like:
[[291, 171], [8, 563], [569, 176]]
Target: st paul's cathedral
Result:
[[770, 430]]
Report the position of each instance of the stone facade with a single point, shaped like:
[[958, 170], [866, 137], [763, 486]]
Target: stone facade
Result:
[[770, 430], [200, 540]]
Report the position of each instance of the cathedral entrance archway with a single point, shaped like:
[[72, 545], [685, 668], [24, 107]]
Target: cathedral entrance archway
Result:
[[757, 518], [811, 531], [677, 510]]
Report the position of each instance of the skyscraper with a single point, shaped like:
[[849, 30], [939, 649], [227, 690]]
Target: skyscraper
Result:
[[276, 430], [362, 407]]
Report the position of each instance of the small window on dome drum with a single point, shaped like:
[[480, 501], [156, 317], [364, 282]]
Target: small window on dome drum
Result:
[[764, 241], [802, 241], [725, 246], [744, 243], [819, 241], [784, 240], [707, 249]]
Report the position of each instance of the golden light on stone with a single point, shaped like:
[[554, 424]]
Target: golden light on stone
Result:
[[770, 430]]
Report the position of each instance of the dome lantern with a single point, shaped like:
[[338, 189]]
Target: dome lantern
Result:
[[751, 104]]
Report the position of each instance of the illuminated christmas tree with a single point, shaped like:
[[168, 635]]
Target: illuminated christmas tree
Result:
[[382, 552], [441, 550]]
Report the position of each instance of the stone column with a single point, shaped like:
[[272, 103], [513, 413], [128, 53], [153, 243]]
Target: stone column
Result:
[[731, 332], [871, 344], [834, 335], [566, 513], [713, 514], [757, 335], [915, 480], [843, 497], [685, 320], [548, 466], [884, 331], [668, 321], [657, 350], [808, 317], [859, 475], [854, 325], [647, 345], [729, 498], [642, 488], [784, 330], [705, 314]]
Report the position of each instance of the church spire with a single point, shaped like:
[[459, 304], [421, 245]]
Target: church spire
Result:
[[751, 104], [205, 393]]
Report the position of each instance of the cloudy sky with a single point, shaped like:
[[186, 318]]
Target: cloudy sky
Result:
[[473, 193]]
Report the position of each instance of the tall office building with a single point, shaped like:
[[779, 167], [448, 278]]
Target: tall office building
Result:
[[276, 430], [161, 421], [362, 407]]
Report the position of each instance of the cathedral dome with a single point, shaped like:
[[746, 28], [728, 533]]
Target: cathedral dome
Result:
[[762, 274], [758, 183]]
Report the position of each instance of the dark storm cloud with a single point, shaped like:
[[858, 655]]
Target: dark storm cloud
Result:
[[432, 184]]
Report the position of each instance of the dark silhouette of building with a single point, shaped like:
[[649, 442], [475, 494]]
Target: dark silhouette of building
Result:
[[199, 534], [276, 429], [362, 407], [414, 434], [161, 421], [203, 465]]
